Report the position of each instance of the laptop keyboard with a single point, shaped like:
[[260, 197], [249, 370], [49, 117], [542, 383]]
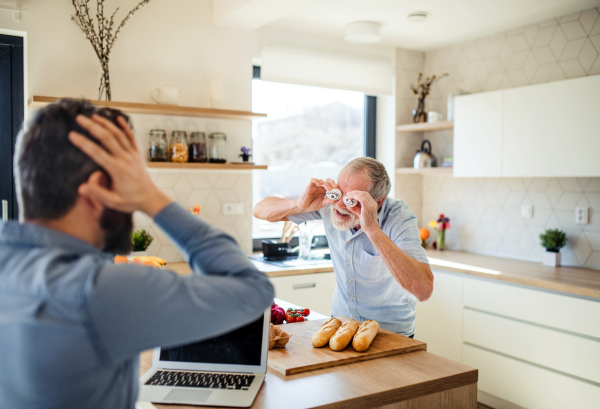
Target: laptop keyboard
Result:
[[201, 380]]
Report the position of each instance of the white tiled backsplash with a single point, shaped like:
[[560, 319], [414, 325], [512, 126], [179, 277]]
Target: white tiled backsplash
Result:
[[209, 189]]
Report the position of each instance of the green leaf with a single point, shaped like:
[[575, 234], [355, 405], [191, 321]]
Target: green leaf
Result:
[[141, 240]]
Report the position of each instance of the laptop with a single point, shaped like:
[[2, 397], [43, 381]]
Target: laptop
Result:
[[227, 370]]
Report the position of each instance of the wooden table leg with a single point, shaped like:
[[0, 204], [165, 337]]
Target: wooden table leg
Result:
[[463, 397]]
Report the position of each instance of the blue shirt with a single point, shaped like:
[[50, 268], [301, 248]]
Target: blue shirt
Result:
[[365, 288], [72, 323]]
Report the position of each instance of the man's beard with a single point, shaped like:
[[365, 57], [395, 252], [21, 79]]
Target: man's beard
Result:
[[347, 224], [118, 228]]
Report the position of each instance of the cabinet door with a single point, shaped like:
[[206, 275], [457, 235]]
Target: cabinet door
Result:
[[313, 291], [478, 135], [552, 129], [439, 319]]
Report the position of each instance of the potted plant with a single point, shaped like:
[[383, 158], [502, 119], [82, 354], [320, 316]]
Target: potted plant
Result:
[[441, 224], [245, 155], [141, 240], [553, 240]]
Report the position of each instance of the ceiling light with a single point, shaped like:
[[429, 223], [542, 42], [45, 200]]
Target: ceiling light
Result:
[[417, 17], [362, 32]]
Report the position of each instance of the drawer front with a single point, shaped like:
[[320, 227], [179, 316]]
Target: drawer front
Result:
[[554, 310], [313, 291], [527, 385], [567, 353]]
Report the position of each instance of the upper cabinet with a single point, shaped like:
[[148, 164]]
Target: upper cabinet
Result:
[[478, 135], [545, 130]]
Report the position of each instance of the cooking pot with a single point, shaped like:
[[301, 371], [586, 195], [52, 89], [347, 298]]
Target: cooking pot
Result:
[[424, 158]]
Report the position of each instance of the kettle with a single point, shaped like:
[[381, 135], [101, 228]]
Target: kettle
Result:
[[167, 95], [424, 158]]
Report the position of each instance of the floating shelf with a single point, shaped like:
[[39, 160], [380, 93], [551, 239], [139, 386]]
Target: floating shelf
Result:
[[424, 171], [425, 126], [204, 166], [155, 109]]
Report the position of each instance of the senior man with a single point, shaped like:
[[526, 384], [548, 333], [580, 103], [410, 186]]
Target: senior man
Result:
[[380, 267]]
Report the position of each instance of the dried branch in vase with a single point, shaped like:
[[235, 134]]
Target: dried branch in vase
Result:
[[102, 35], [421, 90]]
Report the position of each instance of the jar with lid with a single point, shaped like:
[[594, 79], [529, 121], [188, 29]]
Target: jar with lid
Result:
[[179, 147], [157, 146], [198, 151], [217, 148]]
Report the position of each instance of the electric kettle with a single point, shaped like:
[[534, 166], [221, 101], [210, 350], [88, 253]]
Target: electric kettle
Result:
[[424, 157]]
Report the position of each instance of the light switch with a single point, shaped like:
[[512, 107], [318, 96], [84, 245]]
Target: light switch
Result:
[[527, 212], [581, 215], [233, 209]]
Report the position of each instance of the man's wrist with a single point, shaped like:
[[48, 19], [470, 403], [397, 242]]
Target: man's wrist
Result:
[[157, 201], [374, 233]]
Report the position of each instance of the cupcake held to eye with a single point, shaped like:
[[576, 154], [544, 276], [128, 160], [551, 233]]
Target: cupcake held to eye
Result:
[[349, 202]]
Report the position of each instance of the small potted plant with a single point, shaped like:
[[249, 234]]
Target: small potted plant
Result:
[[553, 240], [441, 224], [141, 240], [245, 155]]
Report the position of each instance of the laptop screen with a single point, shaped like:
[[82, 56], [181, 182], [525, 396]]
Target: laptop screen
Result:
[[240, 347], [241, 350]]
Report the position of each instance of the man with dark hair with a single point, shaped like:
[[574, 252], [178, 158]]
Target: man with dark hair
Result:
[[72, 323]]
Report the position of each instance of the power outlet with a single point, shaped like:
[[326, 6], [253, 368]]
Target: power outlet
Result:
[[233, 209], [581, 215], [527, 212]]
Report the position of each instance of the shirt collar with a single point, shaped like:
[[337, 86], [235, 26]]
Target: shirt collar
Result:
[[32, 235]]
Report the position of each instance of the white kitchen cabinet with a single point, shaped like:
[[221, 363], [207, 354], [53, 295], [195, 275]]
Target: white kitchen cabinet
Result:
[[439, 319], [552, 129], [312, 291], [478, 135]]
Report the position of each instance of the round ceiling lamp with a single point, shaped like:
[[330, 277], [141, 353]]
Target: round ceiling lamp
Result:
[[362, 32], [417, 17]]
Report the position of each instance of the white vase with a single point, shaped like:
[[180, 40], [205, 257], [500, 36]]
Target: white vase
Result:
[[139, 254], [217, 92], [551, 259]]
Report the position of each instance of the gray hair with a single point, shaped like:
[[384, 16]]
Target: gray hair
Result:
[[379, 180]]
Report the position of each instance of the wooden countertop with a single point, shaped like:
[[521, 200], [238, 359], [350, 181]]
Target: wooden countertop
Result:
[[572, 280], [269, 269]]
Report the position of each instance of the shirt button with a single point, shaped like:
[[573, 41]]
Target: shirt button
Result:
[[350, 280], [348, 263], [354, 315], [351, 298], [349, 242]]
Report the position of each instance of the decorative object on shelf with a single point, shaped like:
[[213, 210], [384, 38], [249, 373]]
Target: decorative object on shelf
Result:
[[217, 148], [433, 117], [451, 97], [141, 240], [198, 152], [217, 91], [424, 235], [104, 39], [245, 155], [448, 163], [553, 240], [440, 225], [421, 90], [157, 146], [166, 95], [424, 158], [178, 147]]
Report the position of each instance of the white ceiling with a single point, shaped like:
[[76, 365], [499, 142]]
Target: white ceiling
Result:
[[449, 21]]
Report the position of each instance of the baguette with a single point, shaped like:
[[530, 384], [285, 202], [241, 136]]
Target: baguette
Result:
[[321, 337], [343, 335], [365, 335]]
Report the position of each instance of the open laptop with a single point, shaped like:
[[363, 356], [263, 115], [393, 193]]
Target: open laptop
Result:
[[227, 370]]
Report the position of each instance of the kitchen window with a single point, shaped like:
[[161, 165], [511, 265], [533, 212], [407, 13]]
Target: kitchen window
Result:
[[310, 132]]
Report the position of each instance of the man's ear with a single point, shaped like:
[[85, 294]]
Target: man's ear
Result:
[[97, 178], [380, 203]]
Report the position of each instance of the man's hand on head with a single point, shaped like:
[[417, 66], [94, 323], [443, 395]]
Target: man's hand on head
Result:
[[131, 186], [366, 210]]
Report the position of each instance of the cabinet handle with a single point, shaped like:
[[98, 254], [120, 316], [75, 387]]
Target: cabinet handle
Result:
[[5, 210], [305, 285]]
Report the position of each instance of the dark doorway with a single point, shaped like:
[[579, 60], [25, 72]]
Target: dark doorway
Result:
[[12, 101]]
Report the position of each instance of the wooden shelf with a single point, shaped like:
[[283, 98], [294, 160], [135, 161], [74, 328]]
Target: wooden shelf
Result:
[[424, 171], [155, 109], [425, 126], [204, 166]]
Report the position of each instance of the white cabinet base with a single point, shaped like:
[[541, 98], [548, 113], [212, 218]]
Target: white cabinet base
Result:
[[312, 291]]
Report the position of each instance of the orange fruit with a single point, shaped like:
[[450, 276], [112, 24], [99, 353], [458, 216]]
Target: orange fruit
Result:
[[424, 233], [137, 260], [121, 260]]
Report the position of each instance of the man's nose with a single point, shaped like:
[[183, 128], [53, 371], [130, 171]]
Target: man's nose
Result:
[[340, 204]]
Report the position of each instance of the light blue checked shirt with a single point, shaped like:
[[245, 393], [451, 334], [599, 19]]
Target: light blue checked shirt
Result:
[[72, 323], [365, 288]]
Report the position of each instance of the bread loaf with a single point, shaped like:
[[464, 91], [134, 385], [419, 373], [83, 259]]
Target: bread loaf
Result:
[[321, 337], [343, 335], [365, 335]]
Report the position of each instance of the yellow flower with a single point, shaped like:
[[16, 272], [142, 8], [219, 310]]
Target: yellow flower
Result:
[[433, 224]]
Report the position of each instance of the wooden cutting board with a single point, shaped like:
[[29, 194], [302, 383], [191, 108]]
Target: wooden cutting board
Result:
[[300, 356]]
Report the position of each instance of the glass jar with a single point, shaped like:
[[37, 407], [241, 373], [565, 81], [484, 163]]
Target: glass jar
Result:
[[178, 147], [197, 147], [217, 148], [157, 146]]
